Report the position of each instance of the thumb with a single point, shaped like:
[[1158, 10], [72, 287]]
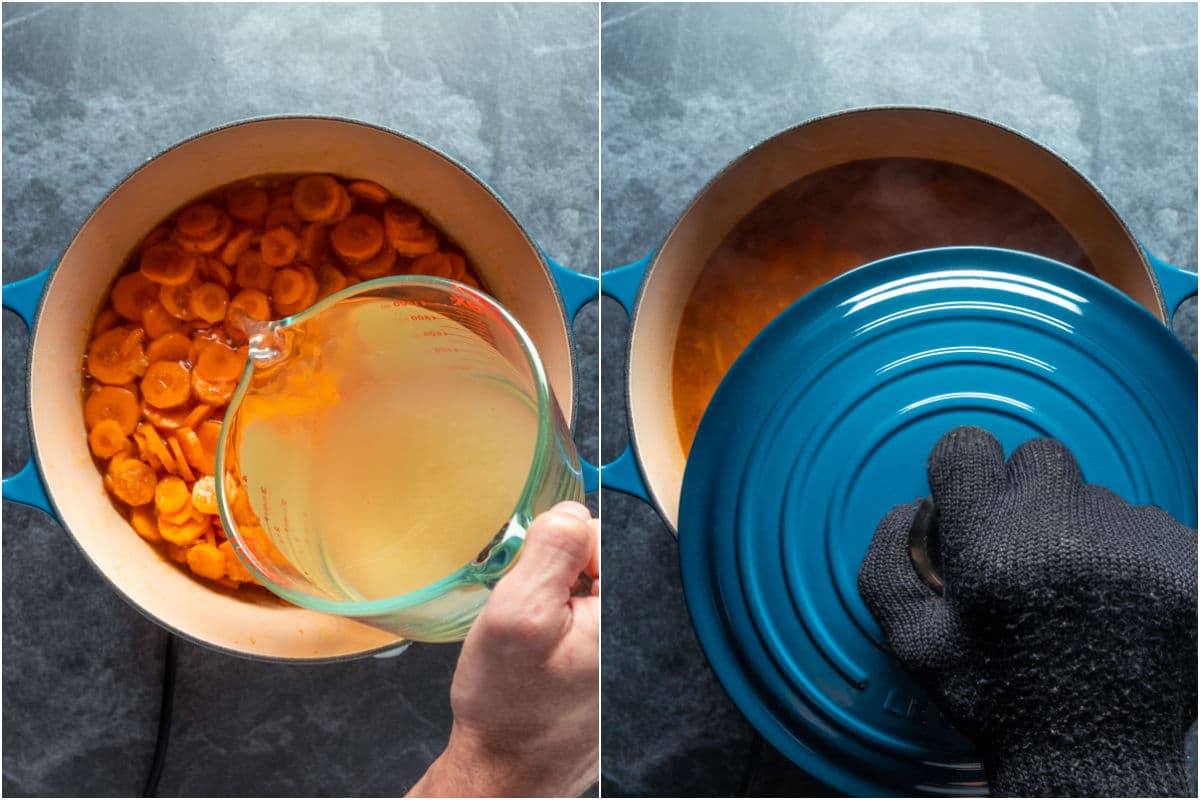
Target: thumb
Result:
[[559, 545]]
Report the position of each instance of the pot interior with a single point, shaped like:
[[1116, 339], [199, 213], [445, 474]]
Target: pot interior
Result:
[[737, 207], [251, 623]]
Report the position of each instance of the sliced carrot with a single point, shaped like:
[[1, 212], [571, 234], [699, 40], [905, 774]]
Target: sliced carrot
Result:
[[218, 272], [400, 221], [164, 420], [252, 303], [157, 321], [170, 495], [214, 393], [107, 320], [177, 300], [107, 438], [252, 272], [157, 447], [209, 242], [210, 437], [159, 234], [329, 280], [234, 569], [116, 357], [206, 561], [287, 286], [132, 294], [200, 341], [345, 206], [379, 265], [115, 403], [248, 203], [198, 221], [183, 534], [314, 243], [278, 247], [283, 218], [185, 513], [315, 197], [307, 297], [219, 363], [197, 415], [128, 450], [185, 469], [204, 495], [417, 243], [142, 519], [440, 264], [167, 264], [166, 384], [133, 481], [357, 238], [370, 191], [236, 245], [209, 302], [193, 450], [168, 347]]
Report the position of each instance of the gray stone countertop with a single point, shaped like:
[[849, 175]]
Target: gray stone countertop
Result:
[[90, 93], [685, 90]]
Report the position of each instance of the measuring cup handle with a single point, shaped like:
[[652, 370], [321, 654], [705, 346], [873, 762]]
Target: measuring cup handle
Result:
[[22, 298], [1176, 284], [577, 289]]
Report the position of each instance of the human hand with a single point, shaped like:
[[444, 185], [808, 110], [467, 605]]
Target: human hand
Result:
[[525, 694], [1064, 643]]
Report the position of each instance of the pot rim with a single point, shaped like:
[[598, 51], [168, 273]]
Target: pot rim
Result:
[[35, 451], [631, 429]]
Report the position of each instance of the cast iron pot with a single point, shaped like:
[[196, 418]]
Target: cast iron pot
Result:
[[655, 289], [59, 304]]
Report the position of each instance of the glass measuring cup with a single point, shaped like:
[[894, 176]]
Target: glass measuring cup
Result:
[[385, 451]]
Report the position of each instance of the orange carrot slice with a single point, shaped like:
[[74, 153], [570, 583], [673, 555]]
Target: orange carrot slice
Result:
[[248, 203], [170, 495], [370, 191], [209, 242], [417, 243], [236, 245], [287, 286], [177, 300], [193, 450], [183, 534], [345, 206], [133, 481], [252, 272], [157, 447], [164, 420], [206, 560], [279, 247], [142, 519], [209, 302], [400, 221], [204, 495], [198, 221], [167, 264], [307, 297], [329, 280], [132, 294], [112, 403], [185, 469], [157, 321], [377, 266], [210, 436], [168, 347], [357, 238], [316, 197], [440, 264], [116, 357], [234, 569], [185, 513], [314, 243], [210, 392], [218, 363], [252, 303], [197, 415], [166, 384], [283, 218], [109, 319], [107, 438]]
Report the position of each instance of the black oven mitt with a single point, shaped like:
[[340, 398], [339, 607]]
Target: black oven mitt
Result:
[[1064, 641]]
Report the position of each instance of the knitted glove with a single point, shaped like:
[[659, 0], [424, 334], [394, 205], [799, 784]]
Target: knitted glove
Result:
[[1064, 640]]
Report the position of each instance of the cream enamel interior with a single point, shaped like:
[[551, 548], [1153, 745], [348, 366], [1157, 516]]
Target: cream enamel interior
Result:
[[456, 202], [823, 143]]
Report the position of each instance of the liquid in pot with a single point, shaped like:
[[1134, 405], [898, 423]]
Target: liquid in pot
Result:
[[826, 224]]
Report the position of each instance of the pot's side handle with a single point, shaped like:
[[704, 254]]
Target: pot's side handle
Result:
[[577, 290], [1177, 284], [622, 284], [21, 297]]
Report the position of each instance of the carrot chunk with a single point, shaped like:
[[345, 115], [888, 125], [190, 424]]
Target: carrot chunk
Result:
[[112, 403], [107, 438], [169, 347], [315, 197], [357, 238], [248, 203], [278, 247], [236, 245], [370, 191], [378, 265], [116, 356], [252, 272], [252, 303], [166, 384], [198, 221], [170, 495], [206, 560], [132, 294], [219, 363], [132, 480], [209, 302], [142, 519], [167, 264]]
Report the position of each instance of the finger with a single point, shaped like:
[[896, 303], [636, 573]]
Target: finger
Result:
[[593, 565], [558, 546], [966, 477], [914, 619], [1045, 467]]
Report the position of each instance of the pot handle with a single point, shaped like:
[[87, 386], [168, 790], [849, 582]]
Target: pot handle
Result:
[[1176, 284], [22, 297], [622, 284], [577, 290]]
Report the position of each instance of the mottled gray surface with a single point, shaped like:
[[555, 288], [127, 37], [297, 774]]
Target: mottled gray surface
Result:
[[89, 94], [688, 88]]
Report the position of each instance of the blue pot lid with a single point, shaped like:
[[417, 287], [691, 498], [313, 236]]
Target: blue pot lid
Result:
[[824, 423]]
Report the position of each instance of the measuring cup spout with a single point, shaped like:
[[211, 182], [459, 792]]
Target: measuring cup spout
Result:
[[270, 342]]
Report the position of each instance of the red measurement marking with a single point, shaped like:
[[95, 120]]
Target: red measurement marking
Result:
[[435, 333], [446, 350], [423, 318], [399, 303]]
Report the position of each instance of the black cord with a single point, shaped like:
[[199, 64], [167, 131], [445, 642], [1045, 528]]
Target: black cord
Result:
[[164, 720], [752, 762]]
